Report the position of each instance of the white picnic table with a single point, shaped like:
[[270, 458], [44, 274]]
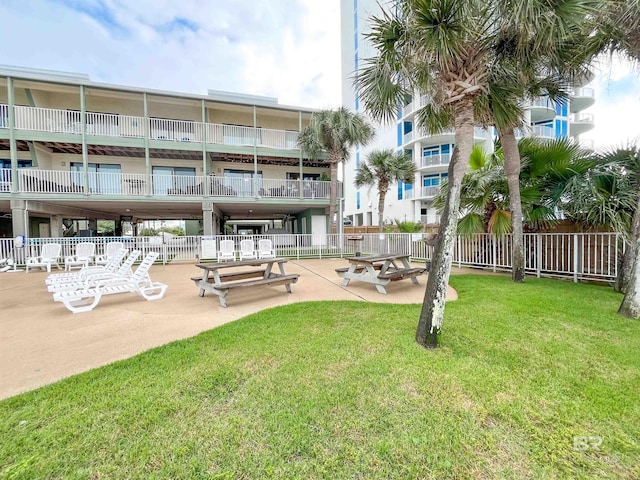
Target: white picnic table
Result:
[[380, 270]]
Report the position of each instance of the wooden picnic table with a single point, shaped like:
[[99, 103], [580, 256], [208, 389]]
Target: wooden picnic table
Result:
[[212, 280], [380, 270]]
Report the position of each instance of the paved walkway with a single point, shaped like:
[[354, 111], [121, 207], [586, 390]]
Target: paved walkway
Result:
[[42, 342]]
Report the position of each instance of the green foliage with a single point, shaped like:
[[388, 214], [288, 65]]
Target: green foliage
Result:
[[148, 232], [407, 226], [340, 390], [106, 226]]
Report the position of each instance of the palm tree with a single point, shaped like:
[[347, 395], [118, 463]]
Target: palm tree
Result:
[[446, 49], [334, 133], [383, 168]]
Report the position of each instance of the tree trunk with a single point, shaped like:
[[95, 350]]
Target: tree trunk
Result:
[[624, 266], [382, 194], [512, 171], [630, 306], [432, 314], [333, 190]]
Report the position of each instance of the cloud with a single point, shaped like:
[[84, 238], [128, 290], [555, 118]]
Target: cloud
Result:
[[287, 48]]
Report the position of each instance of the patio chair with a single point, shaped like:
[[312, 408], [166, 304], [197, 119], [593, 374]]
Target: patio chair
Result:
[[91, 279], [86, 299], [226, 251], [85, 252], [111, 267], [247, 250], [49, 255], [265, 249], [109, 250]]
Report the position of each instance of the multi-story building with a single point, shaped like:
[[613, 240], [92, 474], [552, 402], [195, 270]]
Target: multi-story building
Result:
[[74, 149], [431, 153]]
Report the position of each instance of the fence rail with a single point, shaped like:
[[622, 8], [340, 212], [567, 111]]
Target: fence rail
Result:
[[576, 256]]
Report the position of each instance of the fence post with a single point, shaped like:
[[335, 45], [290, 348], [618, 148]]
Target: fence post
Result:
[[459, 256], [538, 255], [575, 258], [494, 253]]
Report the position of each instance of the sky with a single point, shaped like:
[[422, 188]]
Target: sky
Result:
[[288, 49]]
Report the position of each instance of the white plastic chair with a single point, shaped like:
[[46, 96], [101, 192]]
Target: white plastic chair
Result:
[[111, 267], [226, 251], [85, 252], [86, 299], [247, 250], [265, 249], [109, 250], [49, 255]]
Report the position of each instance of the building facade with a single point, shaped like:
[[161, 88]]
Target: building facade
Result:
[[76, 150], [431, 153]]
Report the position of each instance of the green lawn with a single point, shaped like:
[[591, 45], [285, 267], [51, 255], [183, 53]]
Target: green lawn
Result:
[[334, 390]]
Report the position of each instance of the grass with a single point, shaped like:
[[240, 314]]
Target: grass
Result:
[[341, 390]]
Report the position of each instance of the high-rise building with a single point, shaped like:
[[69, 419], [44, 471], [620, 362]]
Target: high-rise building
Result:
[[431, 153]]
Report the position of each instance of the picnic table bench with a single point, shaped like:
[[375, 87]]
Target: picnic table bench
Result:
[[380, 270], [212, 280]]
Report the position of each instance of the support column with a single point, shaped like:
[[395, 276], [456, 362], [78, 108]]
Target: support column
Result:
[[300, 178], [85, 152], [206, 169], [56, 226], [255, 151], [13, 146], [19, 218], [207, 218], [147, 134]]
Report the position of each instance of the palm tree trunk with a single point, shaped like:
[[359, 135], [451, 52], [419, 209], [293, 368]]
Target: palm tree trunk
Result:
[[381, 196], [333, 191], [630, 306], [432, 314], [512, 171], [625, 266]]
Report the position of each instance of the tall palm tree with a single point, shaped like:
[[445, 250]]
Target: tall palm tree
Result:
[[381, 169], [446, 48], [334, 133]]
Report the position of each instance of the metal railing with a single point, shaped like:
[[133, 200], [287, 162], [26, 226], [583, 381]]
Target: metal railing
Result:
[[583, 117], [435, 160], [115, 125], [543, 131], [584, 92], [576, 256], [135, 184]]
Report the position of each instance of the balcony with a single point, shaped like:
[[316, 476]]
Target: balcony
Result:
[[446, 136], [61, 183], [435, 160], [581, 123], [416, 104], [587, 144], [581, 99], [128, 126], [543, 131], [429, 192], [542, 109]]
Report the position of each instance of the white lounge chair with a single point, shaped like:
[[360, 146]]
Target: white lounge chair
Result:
[[111, 267], [92, 279], [109, 250], [247, 250], [84, 254], [49, 255], [226, 251], [86, 299], [265, 249]]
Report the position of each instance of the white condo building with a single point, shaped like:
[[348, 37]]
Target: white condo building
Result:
[[431, 153]]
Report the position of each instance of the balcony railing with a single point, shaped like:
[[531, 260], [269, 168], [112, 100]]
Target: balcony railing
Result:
[[128, 126], [429, 192], [98, 183], [584, 92], [435, 160], [583, 118], [543, 131], [543, 102]]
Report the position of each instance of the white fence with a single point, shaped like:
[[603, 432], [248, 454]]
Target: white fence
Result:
[[576, 256]]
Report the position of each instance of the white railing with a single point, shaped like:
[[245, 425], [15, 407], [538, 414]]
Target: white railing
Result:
[[583, 117], [587, 143], [5, 180], [543, 102], [576, 256], [4, 116], [138, 184], [432, 219], [435, 160], [584, 92], [428, 192], [114, 125], [543, 131]]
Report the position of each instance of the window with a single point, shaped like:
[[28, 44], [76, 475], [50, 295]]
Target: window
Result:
[[358, 200], [103, 177], [173, 180], [241, 181]]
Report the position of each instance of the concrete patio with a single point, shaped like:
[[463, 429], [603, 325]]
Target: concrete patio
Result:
[[42, 342]]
